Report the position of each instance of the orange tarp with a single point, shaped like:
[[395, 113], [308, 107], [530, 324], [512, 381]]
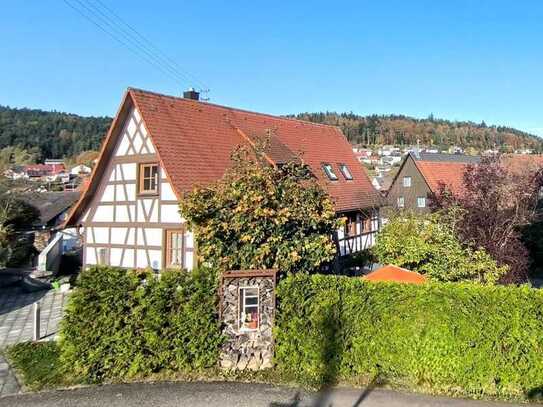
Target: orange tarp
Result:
[[394, 273]]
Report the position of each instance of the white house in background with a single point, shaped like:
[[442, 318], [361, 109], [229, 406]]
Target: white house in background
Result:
[[159, 147], [80, 170]]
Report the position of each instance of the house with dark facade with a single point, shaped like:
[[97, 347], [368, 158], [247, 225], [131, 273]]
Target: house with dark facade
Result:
[[421, 174], [159, 147]]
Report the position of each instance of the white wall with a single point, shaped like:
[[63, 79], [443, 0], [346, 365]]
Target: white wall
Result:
[[131, 226]]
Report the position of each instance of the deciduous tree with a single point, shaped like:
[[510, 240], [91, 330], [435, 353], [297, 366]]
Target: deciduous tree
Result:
[[500, 197], [262, 216], [428, 244]]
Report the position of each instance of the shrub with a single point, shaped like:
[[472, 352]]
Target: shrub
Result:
[[428, 244], [121, 324], [457, 338]]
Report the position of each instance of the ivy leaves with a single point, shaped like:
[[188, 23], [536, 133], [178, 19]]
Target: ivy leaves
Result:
[[262, 216]]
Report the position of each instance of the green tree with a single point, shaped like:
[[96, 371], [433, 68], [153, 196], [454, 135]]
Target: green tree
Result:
[[15, 214], [262, 216], [428, 244], [14, 155]]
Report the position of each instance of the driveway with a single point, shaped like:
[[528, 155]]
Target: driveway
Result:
[[229, 394], [16, 323], [16, 318]]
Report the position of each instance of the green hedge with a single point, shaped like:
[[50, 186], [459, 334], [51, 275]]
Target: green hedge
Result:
[[444, 337], [122, 324]]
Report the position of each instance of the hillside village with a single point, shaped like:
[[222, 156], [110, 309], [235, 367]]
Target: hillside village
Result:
[[385, 166], [258, 232], [263, 201]]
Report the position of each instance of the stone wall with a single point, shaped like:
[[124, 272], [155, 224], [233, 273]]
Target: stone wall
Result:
[[251, 350]]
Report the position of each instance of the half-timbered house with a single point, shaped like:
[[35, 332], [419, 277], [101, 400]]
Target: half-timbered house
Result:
[[159, 147]]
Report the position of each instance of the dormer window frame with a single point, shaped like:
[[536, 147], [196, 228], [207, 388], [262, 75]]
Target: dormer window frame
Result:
[[328, 170], [345, 171]]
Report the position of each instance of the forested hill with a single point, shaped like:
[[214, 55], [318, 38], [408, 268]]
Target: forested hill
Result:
[[51, 134], [59, 135], [397, 129]]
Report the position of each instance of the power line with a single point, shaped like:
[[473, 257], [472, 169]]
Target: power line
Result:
[[112, 35], [107, 19], [157, 50], [109, 25]]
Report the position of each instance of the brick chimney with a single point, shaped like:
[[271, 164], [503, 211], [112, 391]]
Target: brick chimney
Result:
[[191, 94]]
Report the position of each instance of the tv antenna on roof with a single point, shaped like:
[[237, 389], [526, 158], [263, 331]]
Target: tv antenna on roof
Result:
[[206, 93]]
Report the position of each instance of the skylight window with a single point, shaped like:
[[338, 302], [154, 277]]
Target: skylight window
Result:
[[346, 172], [329, 171]]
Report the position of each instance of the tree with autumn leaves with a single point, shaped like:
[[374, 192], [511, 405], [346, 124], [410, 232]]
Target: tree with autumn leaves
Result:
[[261, 216], [500, 199]]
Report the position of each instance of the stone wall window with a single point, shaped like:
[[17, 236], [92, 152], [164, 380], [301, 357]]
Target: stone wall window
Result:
[[249, 314]]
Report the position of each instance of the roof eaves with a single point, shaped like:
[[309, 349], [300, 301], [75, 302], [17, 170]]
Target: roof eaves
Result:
[[71, 218]]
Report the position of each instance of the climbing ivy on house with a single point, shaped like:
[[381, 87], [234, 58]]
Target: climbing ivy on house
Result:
[[262, 216]]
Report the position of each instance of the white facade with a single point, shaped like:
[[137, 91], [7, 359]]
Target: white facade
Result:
[[121, 226]]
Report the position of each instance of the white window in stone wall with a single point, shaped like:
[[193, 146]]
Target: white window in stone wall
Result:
[[401, 202], [249, 313], [406, 182], [421, 202]]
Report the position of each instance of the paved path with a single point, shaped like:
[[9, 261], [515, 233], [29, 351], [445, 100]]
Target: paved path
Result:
[[8, 381], [228, 394], [16, 314], [16, 321]]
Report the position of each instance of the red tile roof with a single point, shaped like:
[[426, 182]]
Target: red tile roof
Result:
[[195, 140], [395, 273], [48, 169], [522, 163], [449, 173]]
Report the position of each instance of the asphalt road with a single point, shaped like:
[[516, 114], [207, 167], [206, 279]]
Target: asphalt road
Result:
[[166, 394]]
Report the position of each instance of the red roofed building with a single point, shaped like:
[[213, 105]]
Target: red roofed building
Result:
[[421, 175], [159, 147], [396, 274], [43, 170]]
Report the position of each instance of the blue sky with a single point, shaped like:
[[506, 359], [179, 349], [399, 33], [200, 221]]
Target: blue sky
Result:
[[465, 60]]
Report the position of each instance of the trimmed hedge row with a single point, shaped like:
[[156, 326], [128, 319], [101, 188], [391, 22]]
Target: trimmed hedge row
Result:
[[446, 337], [121, 323]]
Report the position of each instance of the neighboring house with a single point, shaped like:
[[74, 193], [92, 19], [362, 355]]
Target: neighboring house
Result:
[[42, 171], [522, 164], [421, 175], [159, 147], [16, 172], [53, 208], [80, 170]]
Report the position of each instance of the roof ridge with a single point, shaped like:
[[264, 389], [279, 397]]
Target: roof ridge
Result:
[[233, 109]]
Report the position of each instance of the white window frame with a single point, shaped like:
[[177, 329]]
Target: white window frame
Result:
[[99, 256], [346, 172], [243, 306], [419, 200], [401, 202], [407, 182], [329, 172]]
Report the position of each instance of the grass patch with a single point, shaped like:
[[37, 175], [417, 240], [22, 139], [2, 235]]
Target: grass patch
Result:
[[38, 364]]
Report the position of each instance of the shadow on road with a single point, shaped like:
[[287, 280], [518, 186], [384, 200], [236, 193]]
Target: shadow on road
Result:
[[322, 397], [12, 294]]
